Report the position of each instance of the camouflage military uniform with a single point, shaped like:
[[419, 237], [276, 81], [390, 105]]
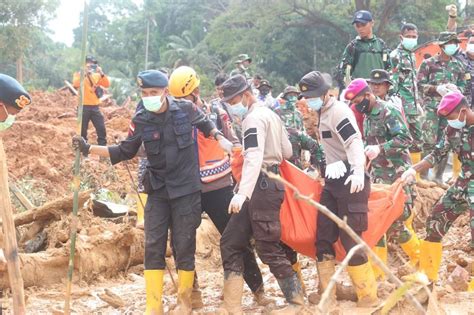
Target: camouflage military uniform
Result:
[[460, 196], [433, 72], [299, 139], [384, 126], [363, 56], [404, 80], [241, 71], [469, 66]]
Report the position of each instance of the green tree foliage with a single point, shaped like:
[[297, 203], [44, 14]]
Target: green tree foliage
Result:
[[285, 38]]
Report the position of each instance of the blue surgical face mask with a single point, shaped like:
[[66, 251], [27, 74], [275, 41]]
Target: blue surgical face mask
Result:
[[450, 49], [409, 43], [239, 109], [152, 103], [315, 103], [457, 123], [8, 122]]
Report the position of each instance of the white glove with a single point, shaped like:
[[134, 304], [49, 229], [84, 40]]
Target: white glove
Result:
[[357, 182], [226, 145], [236, 203], [442, 89], [409, 176], [452, 87], [336, 170], [372, 151]]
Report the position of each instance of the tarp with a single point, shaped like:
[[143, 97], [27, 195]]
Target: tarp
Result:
[[298, 218]]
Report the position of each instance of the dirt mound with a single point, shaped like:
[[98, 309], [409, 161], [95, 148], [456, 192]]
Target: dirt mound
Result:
[[39, 146]]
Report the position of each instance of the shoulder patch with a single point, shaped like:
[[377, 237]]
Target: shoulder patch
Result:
[[345, 129], [250, 138]]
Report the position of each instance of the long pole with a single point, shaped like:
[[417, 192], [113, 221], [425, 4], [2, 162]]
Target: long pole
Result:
[[147, 42], [10, 244], [77, 164]]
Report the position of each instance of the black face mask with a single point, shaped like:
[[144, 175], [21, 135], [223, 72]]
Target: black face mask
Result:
[[363, 106]]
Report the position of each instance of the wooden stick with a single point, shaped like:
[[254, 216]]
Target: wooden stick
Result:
[[342, 224], [21, 197], [71, 87], [10, 244]]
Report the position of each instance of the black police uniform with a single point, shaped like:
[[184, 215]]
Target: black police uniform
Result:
[[171, 181]]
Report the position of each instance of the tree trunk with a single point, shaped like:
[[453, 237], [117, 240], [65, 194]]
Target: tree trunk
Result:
[[10, 245], [19, 69], [105, 254]]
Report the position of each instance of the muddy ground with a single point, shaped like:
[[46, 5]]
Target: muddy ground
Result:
[[40, 162]]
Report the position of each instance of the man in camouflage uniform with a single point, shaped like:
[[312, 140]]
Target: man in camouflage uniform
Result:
[[387, 140], [364, 53], [459, 198], [241, 66], [434, 75], [404, 80], [299, 139]]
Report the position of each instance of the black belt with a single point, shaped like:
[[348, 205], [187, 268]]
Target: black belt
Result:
[[275, 168]]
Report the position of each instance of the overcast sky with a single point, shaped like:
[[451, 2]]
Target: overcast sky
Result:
[[67, 19]]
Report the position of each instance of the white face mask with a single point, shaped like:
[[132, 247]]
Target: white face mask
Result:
[[8, 122], [152, 103], [470, 48]]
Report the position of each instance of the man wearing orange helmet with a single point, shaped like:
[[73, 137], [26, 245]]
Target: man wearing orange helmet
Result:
[[215, 172]]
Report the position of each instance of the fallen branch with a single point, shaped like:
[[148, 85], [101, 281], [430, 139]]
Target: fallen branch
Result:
[[50, 210], [344, 226]]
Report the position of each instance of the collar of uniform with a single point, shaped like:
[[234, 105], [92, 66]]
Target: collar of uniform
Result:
[[172, 104], [437, 59], [329, 103], [255, 105], [366, 39], [404, 50], [377, 108]]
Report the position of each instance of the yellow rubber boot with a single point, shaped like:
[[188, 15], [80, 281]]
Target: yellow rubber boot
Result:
[[154, 291], [430, 258], [141, 202], [365, 284], [412, 249], [297, 268], [415, 158], [382, 253], [185, 289], [470, 288], [456, 166]]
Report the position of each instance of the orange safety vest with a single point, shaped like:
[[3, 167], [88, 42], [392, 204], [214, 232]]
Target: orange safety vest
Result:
[[214, 163]]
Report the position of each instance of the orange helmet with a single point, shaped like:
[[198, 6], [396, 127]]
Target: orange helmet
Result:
[[183, 81]]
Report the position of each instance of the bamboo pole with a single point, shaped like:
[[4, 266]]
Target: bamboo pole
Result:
[[10, 244], [77, 164]]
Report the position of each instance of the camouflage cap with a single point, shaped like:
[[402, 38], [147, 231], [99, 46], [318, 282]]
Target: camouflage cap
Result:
[[290, 89], [244, 57], [446, 37]]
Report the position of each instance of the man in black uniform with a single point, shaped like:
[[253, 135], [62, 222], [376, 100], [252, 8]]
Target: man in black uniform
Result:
[[172, 183]]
